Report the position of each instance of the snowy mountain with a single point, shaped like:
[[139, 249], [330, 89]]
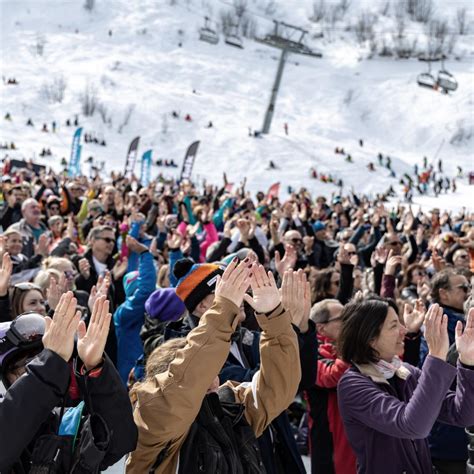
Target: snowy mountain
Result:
[[142, 60]]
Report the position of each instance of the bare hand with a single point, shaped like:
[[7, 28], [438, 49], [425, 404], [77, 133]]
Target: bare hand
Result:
[[119, 269], [266, 296], [91, 342], [296, 298], [174, 240], [234, 282], [465, 340], [288, 261], [413, 317], [84, 268], [41, 247], [392, 263], [134, 245], [55, 290], [5, 274], [59, 331], [436, 332]]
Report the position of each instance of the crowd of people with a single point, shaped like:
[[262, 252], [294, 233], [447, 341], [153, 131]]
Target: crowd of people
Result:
[[195, 328]]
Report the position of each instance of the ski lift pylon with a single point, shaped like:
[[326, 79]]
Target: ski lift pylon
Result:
[[207, 34]]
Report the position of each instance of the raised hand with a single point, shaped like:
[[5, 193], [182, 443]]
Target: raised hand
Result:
[[288, 261], [266, 296], [41, 248], [98, 290], [308, 242], [5, 273], [119, 269], [55, 290], [3, 242], [59, 331], [465, 340], [91, 341], [234, 282], [84, 268], [392, 263], [174, 240], [296, 298], [413, 317], [436, 332], [439, 263], [134, 245], [423, 290], [379, 256]]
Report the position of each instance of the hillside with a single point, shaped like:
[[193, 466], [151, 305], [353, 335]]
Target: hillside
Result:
[[140, 70]]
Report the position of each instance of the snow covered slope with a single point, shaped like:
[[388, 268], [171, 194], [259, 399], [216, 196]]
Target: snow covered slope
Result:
[[129, 53]]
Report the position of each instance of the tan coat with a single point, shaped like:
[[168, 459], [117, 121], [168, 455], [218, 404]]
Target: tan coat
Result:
[[166, 407]]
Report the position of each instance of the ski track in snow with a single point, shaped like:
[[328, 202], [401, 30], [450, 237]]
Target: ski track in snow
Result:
[[326, 102]]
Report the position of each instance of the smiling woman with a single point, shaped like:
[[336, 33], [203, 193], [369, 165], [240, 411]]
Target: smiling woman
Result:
[[388, 406]]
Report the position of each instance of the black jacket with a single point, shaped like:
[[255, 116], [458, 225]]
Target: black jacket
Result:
[[26, 411], [9, 215]]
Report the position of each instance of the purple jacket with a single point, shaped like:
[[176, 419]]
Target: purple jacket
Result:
[[387, 428]]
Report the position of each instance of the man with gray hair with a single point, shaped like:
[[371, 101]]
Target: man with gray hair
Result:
[[30, 226], [330, 449]]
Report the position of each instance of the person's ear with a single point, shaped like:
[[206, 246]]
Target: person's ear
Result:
[[320, 328]]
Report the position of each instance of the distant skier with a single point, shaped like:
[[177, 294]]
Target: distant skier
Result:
[[415, 169], [45, 128], [210, 124], [460, 172], [425, 162], [29, 123], [175, 114], [361, 142], [388, 164], [53, 126], [453, 185], [76, 120], [371, 167], [8, 116], [12, 146], [188, 118], [349, 158], [68, 123], [440, 165], [285, 126], [272, 165], [380, 158]]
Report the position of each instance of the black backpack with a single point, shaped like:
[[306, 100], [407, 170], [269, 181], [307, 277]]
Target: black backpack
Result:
[[220, 441]]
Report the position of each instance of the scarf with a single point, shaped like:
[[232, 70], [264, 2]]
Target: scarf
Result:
[[388, 369]]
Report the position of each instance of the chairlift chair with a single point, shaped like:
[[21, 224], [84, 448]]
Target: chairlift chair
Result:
[[446, 80], [233, 39], [426, 79], [207, 34]]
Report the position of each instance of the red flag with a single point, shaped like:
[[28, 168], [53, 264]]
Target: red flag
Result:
[[273, 191]]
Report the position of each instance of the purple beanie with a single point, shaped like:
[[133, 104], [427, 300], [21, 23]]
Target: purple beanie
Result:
[[164, 304]]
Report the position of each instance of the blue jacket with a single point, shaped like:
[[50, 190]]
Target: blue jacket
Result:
[[388, 424], [447, 442], [129, 316], [145, 240]]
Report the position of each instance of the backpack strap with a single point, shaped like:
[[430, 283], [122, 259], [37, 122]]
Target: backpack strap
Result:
[[160, 458]]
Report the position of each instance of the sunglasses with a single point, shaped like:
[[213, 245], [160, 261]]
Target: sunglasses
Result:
[[394, 243], [297, 241], [69, 275], [464, 287], [108, 240], [351, 253], [463, 256]]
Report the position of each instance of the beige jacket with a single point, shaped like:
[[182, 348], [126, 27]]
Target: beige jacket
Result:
[[166, 407]]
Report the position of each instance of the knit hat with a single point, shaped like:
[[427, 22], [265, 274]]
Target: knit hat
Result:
[[130, 283], [195, 281], [319, 225], [240, 254], [165, 305]]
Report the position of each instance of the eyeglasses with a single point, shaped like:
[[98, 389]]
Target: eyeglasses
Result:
[[394, 243], [351, 253], [297, 241], [464, 256], [69, 275], [95, 209], [464, 287], [108, 240], [143, 196]]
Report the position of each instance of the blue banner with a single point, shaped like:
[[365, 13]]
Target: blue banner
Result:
[[75, 160], [146, 168]]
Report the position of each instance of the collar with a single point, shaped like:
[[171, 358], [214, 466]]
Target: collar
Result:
[[371, 371]]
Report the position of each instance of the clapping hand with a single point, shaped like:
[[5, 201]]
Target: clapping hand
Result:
[[287, 262], [436, 332], [465, 340], [5, 273], [91, 341], [296, 298], [55, 290], [234, 282], [413, 317], [59, 332], [266, 296]]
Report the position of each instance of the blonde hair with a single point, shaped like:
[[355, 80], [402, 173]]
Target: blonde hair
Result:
[[43, 278], [55, 262], [160, 359]]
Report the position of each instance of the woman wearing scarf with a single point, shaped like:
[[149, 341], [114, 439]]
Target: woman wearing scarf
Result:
[[388, 406]]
